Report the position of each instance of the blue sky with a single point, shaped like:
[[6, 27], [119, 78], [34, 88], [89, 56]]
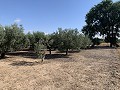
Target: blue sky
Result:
[[45, 15]]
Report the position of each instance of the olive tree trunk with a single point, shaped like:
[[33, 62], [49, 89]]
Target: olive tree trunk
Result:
[[50, 51], [2, 55], [66, 51]]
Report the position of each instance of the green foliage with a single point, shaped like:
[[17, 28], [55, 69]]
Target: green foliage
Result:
[[70, 39], [96, 41], [2, 39], [48, 42], [40, 50], [14, 37], [26, 42], [34, 38], [103, 19], [65, 39], [38, 36], [11, 38], [118, 40], [31, 40], [85, 42]]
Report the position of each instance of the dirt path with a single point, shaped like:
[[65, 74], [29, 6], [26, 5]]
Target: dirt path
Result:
[[94, 69]]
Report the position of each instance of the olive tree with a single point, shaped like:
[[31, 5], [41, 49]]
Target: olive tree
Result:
[[11, 38], [48, 42], [40, 50], [66, 39], [39, 44], [2, 42], [31, 40], [85, 41]]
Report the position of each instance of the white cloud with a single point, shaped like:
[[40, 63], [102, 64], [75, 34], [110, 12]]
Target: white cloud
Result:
[[17, 20]]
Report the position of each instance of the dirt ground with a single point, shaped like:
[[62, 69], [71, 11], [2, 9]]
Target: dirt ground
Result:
[[92, 69]]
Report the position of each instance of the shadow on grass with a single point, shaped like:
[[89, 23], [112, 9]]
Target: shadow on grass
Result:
[[54, 56], [6, 57], [32, 54], [25, 63], [24, 54]]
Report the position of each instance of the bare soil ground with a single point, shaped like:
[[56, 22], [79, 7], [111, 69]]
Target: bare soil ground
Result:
[[93, 69]]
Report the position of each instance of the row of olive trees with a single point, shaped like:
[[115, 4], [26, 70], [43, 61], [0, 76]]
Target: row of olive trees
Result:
[[62, 40], [12, 38]]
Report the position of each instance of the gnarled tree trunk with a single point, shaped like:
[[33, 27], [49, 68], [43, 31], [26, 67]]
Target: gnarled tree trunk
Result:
[[50, 51], [2, 55], [66, 51]]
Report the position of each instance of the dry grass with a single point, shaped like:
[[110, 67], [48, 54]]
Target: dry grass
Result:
[[93, 69]]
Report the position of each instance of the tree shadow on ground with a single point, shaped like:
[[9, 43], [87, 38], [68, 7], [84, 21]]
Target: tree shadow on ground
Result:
[[26, 63], [32, 54], [24, 54], [54, 56], [4, 58]]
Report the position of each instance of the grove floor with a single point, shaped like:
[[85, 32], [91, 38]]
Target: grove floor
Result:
[[92, 69]]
